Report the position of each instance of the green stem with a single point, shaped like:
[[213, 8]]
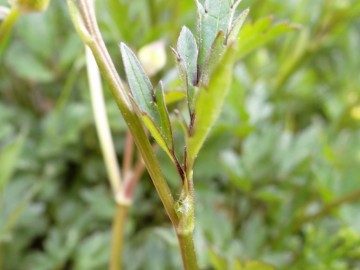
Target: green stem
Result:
[[8, 24], [185, 229], [188, 251], [102, 126], [118, 237], [119, 93]]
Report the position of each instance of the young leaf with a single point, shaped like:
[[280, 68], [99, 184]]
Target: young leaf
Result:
[[187, 54], [233, 34], [156, 133], [165, 125], [214, 16], [148, 102], [210, 101], [139, 83]]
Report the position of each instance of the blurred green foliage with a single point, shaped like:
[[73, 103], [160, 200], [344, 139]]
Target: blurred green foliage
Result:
[[287, 144]]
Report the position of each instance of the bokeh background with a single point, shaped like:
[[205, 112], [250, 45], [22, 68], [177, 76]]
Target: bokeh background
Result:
[[286, 146]]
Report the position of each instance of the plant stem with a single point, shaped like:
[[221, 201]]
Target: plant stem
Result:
[[133, 177], [186, 225], [120, 95], [117, 241], [92, 37], [111, 162], [188, 251], [8, 24], [102, 125]]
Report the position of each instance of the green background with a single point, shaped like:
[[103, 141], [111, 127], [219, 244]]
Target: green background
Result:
[[286, 146]]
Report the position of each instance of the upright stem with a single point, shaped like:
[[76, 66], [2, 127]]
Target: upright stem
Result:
[[119, 92], [186, 225], [111, 162], [102, 125], [188, 251], [117, 241], [182, 222]]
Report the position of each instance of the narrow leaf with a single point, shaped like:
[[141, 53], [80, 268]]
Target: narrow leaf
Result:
[[233, 34], [157, 134], [139, 83], [210, 101], [148, 102], [165, 125], [213, 16], [187, 54]]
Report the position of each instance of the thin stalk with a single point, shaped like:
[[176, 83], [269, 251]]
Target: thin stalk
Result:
[[111, 162], [102, 125], [117, 242], [133, 177], [8, 24], [119, 93], [96, 44], [92, 37], [188, 251], [186, 226], [128, 154]]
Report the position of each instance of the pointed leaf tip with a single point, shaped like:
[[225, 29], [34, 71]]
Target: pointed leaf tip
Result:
[[233, 33], [139, 83], [188, 51], [187, 56]]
